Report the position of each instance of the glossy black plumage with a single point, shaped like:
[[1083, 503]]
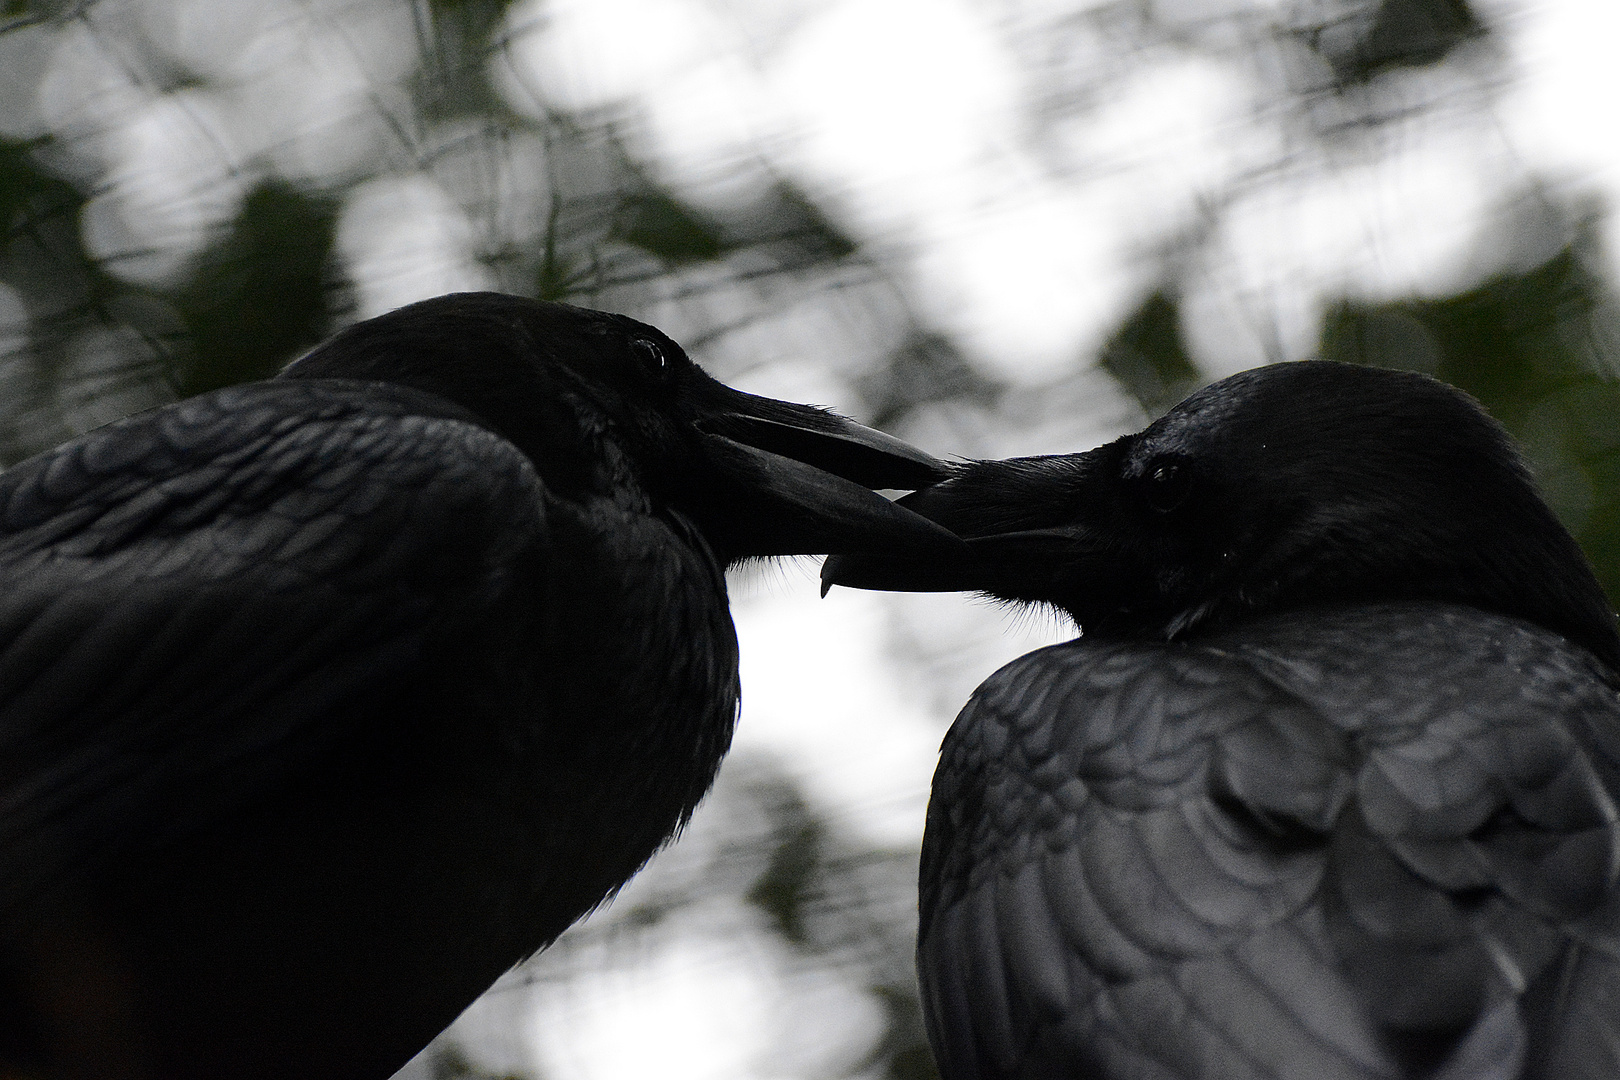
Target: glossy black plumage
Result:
[[1328, 786], [325, 700]]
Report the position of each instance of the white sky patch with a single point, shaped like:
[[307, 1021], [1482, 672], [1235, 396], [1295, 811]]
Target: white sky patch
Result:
[[953, 642], [1559, 113], [1037, 278], [88, 91], [590, 54], [1030, 284], [403, 240], [699, 1010], [500, 178], [314, 91], [707, 129], [896, 105], [822, 694], [175, 185], [699, 113], [791, 379], [1177, 131], [909, 117], [908, 113], [223, 43], [24, 53], [718, 1002]]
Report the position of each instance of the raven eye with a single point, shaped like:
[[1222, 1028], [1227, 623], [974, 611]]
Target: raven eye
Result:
[[652, 355], [1168, 484]]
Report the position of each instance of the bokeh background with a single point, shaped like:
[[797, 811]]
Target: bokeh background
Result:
[[991, 226]]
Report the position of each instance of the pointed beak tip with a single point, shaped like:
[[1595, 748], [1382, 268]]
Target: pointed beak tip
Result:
[[830, 568]]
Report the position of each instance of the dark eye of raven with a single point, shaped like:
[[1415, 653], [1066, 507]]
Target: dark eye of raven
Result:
[[652, 355], [1167, 485]]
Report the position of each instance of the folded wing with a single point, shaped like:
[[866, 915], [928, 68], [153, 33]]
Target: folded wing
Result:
[[1324, 847]]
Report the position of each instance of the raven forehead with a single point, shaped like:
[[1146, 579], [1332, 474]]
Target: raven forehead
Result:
[[1278, 392]]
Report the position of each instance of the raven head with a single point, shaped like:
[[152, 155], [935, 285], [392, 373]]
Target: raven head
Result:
[[609, 407], [1288, 485]]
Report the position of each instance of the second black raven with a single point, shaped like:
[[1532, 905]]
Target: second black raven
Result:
[[1327, 787], [326, 699]]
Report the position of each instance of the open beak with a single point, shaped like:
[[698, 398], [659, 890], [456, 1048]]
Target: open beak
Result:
[[1017, 521], [796, 480]]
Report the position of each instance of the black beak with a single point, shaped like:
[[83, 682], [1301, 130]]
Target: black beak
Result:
[[1029, 528], [796, 480]]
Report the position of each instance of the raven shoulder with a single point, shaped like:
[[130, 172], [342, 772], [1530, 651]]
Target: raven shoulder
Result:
[[1363, 841]]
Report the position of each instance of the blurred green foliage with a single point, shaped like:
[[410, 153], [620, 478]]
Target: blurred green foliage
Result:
[[30, 196], [927, 367], [1368, 39], [1537, 349], [661, 226], [450, 1062], [43, 251], [1149, 358], [792, 871], [14, 9], [261, 295]]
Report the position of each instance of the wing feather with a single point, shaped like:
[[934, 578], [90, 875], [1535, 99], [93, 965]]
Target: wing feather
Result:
[[1351, 843], [193, 593]]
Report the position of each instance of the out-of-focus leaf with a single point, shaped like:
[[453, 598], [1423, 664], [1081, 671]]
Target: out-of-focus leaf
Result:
[[794, 868], [39, 216], [784, 223], [1148, 357], [790, 219], [450, 1062], [75, 309], [904, 1053], [1414, 33], [26, 193], [1532, 349], [1363, 43], [259, 297], [927, 367], [20, 10], [661, 226], [453, 78], [487, 12]]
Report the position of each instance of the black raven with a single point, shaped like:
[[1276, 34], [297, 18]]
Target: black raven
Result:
[[1326, 788], [326, 699]]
